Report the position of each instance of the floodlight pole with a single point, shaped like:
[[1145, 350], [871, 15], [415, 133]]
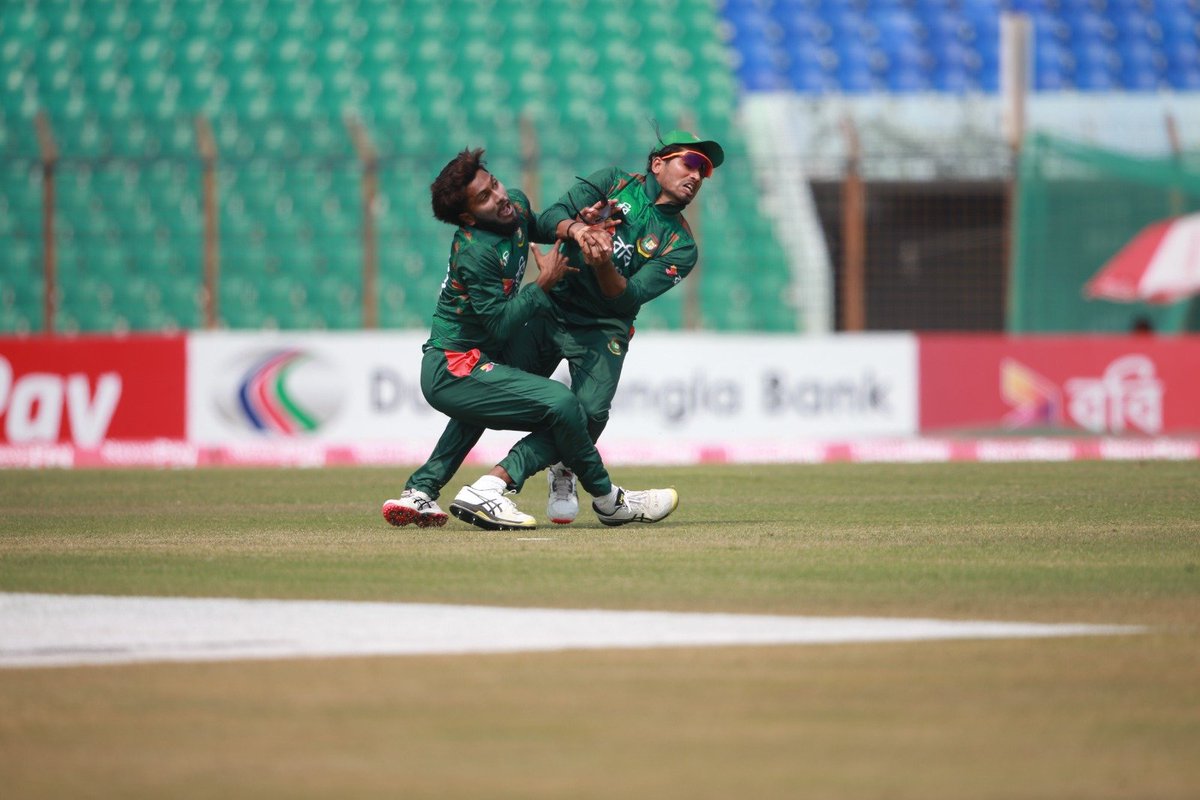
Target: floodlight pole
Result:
[[531, 152], [854, 234], [1176, 198], [693, 318], [369, 158], [1016, 31], [207, 145], [49, 156]]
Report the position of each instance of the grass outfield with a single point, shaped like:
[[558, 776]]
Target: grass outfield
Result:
[[1076, 542]]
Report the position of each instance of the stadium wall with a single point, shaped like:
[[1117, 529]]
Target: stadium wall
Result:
[[317, 399]]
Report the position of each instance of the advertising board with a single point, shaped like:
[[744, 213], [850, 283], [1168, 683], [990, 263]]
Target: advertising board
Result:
[[1107, 385], [363, 390], [88, 389]]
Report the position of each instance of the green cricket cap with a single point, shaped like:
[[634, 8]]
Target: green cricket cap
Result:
[[693, 142]]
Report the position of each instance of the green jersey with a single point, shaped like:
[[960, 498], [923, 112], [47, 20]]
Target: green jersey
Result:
[[481, 302], [653, 247]]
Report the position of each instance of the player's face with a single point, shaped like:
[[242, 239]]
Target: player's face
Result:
[[488, 205], [681, 175]]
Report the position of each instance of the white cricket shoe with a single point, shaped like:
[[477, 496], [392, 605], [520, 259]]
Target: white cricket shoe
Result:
[[563, 505], [490, 509], [650, 505], [414, 508]]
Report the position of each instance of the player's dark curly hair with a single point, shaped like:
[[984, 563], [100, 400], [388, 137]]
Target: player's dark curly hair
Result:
[[448, 192]]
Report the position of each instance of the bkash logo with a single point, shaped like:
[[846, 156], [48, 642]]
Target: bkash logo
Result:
[[1036, 400], [280, 393]]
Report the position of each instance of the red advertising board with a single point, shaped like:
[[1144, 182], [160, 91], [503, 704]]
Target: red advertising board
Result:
[[89, 389], [1136, 385]]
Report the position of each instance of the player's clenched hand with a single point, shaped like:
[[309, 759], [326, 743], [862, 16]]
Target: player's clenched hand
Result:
[[551, 266], [596, 244]]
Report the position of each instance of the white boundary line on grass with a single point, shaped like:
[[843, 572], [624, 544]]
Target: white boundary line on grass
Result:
[[927, 449], [42, 630]]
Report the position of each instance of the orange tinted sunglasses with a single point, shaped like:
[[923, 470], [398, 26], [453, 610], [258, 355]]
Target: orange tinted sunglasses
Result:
[[693, 159]]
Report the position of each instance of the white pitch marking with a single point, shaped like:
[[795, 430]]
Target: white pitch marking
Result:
[[41, 630]]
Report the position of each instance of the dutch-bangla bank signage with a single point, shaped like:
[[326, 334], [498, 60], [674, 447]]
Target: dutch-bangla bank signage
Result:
[[331, 398], [364, 388], [765, 389]]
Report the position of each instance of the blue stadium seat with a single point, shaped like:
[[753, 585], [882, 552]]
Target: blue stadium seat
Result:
[[801, 25], [1136, 45], [943, 24], [1097, 57], [809, 79], [1090, 25], [1143, 66], [1097, 79], [1054, 66], [906, 80], [1184, 77]]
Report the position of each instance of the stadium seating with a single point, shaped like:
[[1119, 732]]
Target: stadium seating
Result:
[[122, 82], [903, 46]]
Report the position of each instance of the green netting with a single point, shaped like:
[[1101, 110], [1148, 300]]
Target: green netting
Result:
[[1076, 206]]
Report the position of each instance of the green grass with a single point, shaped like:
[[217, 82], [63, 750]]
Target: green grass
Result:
[[1078, 542]]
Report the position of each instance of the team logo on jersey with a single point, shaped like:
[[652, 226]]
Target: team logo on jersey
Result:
[[647, 245], [488, 367], [622, 250], [508, 284], [614, 347], [520, 240]]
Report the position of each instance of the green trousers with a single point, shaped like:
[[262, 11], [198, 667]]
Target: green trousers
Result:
[[478, 393], [594, 357]]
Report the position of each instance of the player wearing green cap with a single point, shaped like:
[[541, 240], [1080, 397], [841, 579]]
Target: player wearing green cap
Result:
[[479, 309], [650, 250], [641, 251]]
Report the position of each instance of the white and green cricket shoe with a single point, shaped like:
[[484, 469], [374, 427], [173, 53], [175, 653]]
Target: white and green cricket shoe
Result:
[[649, 505], [563, 505], [491, 510]]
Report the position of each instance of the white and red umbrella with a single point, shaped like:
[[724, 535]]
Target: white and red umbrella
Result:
[[1159, 265]]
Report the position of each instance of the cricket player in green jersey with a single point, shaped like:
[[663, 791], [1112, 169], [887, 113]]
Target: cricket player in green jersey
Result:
[[480, 307], [643, 249], [650, 251]]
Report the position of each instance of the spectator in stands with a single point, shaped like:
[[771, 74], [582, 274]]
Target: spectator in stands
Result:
[[1142, 326], [480, 308], [620, 267]]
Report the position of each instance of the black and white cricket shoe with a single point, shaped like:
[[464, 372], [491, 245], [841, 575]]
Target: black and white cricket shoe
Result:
[[649, 506], [490, 510]]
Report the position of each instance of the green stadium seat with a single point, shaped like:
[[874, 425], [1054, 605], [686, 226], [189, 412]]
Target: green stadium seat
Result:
[[123, 82], [181, 300], [237, 302], [21, 294], [18, 321]]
